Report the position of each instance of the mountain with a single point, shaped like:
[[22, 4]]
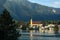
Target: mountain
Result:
[[22, 10], [1, 5]]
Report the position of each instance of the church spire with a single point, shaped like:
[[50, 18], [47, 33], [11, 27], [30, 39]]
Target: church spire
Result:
[[30, 22]]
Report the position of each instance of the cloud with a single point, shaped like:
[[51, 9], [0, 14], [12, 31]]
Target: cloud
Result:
[[56, 4], [50, 3]]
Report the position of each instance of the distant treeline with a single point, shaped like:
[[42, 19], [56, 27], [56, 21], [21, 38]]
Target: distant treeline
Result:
[[51, 21]]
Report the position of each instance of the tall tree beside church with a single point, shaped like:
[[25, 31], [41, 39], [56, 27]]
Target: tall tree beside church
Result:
[[7, 27]]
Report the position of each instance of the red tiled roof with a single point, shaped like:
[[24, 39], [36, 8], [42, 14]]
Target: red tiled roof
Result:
[[36, 22]]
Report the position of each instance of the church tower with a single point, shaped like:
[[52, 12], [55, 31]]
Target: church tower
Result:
[[30, 22]]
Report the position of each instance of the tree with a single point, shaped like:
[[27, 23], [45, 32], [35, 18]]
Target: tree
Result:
[[7, 27]]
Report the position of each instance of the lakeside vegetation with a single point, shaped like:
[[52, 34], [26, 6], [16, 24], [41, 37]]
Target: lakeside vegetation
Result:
[[8, 27]]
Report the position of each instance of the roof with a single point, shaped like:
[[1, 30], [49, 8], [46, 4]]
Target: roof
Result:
[[36, 22]]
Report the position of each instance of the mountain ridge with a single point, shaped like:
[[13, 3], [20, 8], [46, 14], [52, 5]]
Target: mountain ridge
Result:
[[23, 10]]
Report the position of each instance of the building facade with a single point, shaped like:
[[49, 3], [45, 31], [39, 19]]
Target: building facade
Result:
[[35, 23]]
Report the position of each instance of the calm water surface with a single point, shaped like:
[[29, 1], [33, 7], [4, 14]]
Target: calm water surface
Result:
[[39, 35]]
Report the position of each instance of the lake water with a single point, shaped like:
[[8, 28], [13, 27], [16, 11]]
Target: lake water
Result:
[[39, 35]]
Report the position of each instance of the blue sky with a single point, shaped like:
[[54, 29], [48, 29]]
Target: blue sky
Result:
[[50, 3]]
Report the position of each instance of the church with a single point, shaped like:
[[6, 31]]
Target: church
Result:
[[35, 24]]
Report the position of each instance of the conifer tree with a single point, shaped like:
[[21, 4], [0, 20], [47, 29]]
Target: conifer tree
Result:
[[7, 27]]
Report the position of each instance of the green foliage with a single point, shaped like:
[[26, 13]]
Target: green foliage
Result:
[[7, 27]]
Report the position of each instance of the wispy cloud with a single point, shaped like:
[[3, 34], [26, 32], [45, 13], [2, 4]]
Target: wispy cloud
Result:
[[56, 4], [51, 3]]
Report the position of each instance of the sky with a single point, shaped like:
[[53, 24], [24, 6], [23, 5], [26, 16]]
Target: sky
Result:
[[50, 3]]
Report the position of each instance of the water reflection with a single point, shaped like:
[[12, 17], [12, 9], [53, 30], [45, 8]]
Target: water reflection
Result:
[[39, 35]]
